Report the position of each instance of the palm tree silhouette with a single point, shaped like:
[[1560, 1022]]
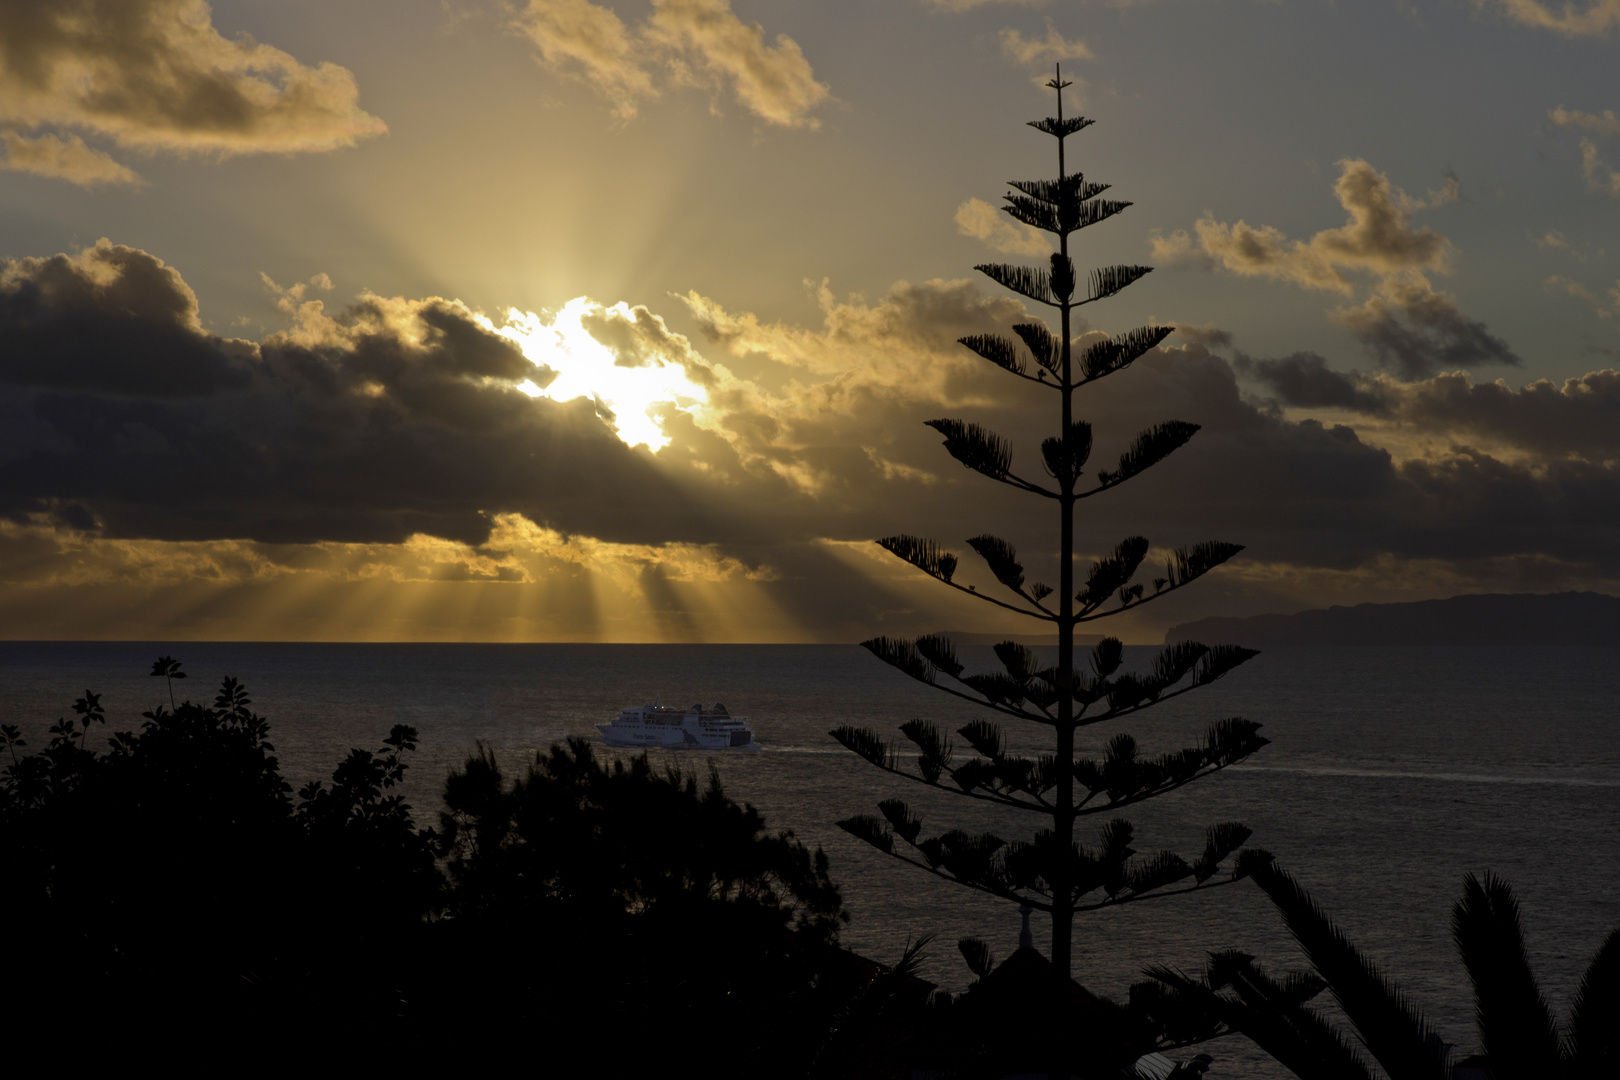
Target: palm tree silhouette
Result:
[[1518, 1035]]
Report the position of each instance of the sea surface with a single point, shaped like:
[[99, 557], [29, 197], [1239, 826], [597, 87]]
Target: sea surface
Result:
[[1391, 773]]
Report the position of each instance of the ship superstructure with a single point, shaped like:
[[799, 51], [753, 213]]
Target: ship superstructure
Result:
[[701, 727]]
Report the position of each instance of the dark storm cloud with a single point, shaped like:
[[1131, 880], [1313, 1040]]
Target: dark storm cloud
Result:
[[1303, 379], [111, 320], [1320, 495], [1413, 330], [400, 417], [1581, 418], [397, 417]]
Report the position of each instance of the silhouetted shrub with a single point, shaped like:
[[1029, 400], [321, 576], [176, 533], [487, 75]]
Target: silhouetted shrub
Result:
[[624, 905], [173, 881], [173, 886]]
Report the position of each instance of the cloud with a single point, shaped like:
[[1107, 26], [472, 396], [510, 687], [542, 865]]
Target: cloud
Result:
[[1415, 330], [390, 418], [957, 6], [1605, 123], [155, 75], [110, 320], [774, 82], [1594, 18], [1600, 176], [1540, 422], [1378, 238], [980, 220], [1407, 324], [1555, 240], [1602, 308], [1578, 420], [584, 38], [1206, 334], [1303, 379], [389, 449], [1052, 48], [696, 42], [64, 159]]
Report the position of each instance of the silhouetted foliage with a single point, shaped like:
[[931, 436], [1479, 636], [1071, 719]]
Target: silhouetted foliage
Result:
[[1051, 872], [639, 897], [174, 881], [1517, 1033], [174, 876]]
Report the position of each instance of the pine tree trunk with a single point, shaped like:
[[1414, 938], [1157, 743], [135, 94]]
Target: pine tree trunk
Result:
[[1063, 820]]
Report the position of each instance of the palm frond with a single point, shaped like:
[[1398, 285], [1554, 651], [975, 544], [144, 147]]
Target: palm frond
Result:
[[976, 447], [1267, 1012], [1149, 448], [939, 651], [1594, 1036], [1393, 1030], [996, 349], [906, 824], [1193, 562], [936, 749], [1172, 665], [984, 737], [1061, 128], [1220, 840], [933, 745], [1042, 345], [997, 688], [924, 554], [1113, 572], [1221, 659], [977, 955], [1065, 458], [1516, 1027], [866, 743], [1027, 281], [1107, 357], [1111, 279], [1073, 187], [1106, 657], [1165, 868], [1034, 213], [1002, 558], [868, 828], [971, 856], [901, 654], [1092, 212], [1019, 660], [1231, 740]]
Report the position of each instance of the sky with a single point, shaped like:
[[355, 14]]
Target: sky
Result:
[[565, 320]]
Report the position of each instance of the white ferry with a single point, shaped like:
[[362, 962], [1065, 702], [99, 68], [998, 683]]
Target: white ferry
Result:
[[702, 727]]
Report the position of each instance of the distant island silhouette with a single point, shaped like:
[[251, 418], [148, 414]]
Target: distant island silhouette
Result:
[[1571, 618]]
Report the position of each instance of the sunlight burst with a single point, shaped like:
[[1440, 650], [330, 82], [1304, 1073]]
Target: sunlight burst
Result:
[[636, 392]]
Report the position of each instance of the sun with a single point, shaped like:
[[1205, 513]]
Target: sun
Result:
[[577, 365]]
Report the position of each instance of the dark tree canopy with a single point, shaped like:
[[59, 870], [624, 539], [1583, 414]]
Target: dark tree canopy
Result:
[[172, 896]]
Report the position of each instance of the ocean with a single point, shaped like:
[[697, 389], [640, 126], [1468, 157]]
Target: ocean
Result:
[[1391, 773]]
